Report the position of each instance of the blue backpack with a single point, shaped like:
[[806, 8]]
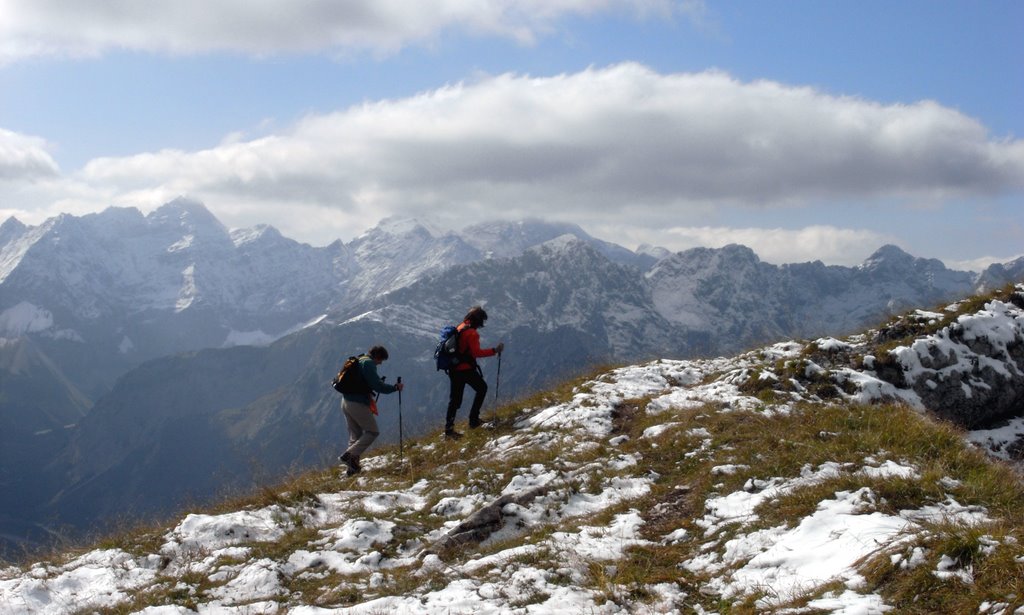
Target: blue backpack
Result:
[[446, 353]]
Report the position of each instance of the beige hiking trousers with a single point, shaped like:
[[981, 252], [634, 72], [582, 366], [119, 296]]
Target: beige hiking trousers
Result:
[[362, 427]]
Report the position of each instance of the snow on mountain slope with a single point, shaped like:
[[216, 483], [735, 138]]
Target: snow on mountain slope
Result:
[[562, 285], [742, 300], [400, 251], [179, 264], [176, 279], [502, 239], [507, 239], [970, 371], [745, 483], [122, 288], [118, 263], [397, 252], [560, 307], [15, 240], [102, 294]]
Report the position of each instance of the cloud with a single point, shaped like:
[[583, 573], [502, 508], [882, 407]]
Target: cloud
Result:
[[832, 245], [620, 147], [263, 27], [981, 263], [24, 158], [605, 142]]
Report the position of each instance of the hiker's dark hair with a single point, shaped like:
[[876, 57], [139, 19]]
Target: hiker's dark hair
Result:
[[378, 352], [476, 316]]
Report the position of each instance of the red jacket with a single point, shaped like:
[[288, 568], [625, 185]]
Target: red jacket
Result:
[[469, 345]]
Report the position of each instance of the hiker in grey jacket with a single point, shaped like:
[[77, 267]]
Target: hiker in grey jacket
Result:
[[360, 408]]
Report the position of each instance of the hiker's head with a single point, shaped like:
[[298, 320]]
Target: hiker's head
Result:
[[378, 354], [476, 316]]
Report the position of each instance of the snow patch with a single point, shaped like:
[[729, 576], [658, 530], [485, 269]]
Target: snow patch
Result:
[[204, 532], [248, 338], [24, 318], [830, 344], [95, 580]]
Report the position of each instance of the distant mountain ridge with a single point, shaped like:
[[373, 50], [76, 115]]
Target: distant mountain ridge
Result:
[[135, 287], [140, 314], [746, 301]]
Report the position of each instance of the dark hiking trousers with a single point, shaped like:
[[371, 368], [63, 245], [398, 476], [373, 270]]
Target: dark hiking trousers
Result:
[[459, 379]]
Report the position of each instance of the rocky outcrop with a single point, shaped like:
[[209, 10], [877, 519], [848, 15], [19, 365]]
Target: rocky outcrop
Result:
[[970, 372], [480, 525]]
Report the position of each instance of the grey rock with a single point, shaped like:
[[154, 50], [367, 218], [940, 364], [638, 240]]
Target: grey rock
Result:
[[481, 524]]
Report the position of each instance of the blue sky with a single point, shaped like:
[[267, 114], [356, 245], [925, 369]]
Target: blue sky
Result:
[[807, 130]]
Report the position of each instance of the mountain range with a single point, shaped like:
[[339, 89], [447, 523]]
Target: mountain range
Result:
[[130, 338]]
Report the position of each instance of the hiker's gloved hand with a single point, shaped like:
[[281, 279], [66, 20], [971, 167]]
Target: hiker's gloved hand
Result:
[[499, 347]]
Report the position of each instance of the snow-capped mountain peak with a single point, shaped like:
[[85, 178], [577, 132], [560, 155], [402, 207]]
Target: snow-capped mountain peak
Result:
[[502, 238], [16, 240], [887, 257], [189, 212], [11, 227], [187, 222], [258, 233], [567, 243], [403, 226], [656, 252]]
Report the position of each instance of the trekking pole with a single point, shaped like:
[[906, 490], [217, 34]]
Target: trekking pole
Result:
[[401, 438], [497, 381]]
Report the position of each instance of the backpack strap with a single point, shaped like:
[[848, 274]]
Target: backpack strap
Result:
[[465, 357]]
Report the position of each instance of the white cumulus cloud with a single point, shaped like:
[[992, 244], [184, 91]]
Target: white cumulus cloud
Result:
[[620, 147], [832, 245], [613, 144], [24, 158], [263, 27]]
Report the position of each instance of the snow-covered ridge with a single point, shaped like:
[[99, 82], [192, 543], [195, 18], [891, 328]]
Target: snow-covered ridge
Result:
[[15, 241], [178, 269], [575, 482], [972, 370], [969, 370], [178, 256], [180, 259]]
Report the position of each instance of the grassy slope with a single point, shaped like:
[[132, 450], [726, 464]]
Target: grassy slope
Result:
[[758, 440]]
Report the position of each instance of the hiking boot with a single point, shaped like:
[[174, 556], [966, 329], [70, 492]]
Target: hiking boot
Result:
[[451, 434], [478, 424], [352, 462]]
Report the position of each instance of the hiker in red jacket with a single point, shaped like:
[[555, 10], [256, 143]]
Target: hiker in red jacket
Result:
[[468, 371]]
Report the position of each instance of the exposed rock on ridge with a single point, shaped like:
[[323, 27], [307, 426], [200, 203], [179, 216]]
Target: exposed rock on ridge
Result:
[[971, 371]]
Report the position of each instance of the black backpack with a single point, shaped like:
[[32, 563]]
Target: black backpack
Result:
[[350, 378], [446, 353]]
